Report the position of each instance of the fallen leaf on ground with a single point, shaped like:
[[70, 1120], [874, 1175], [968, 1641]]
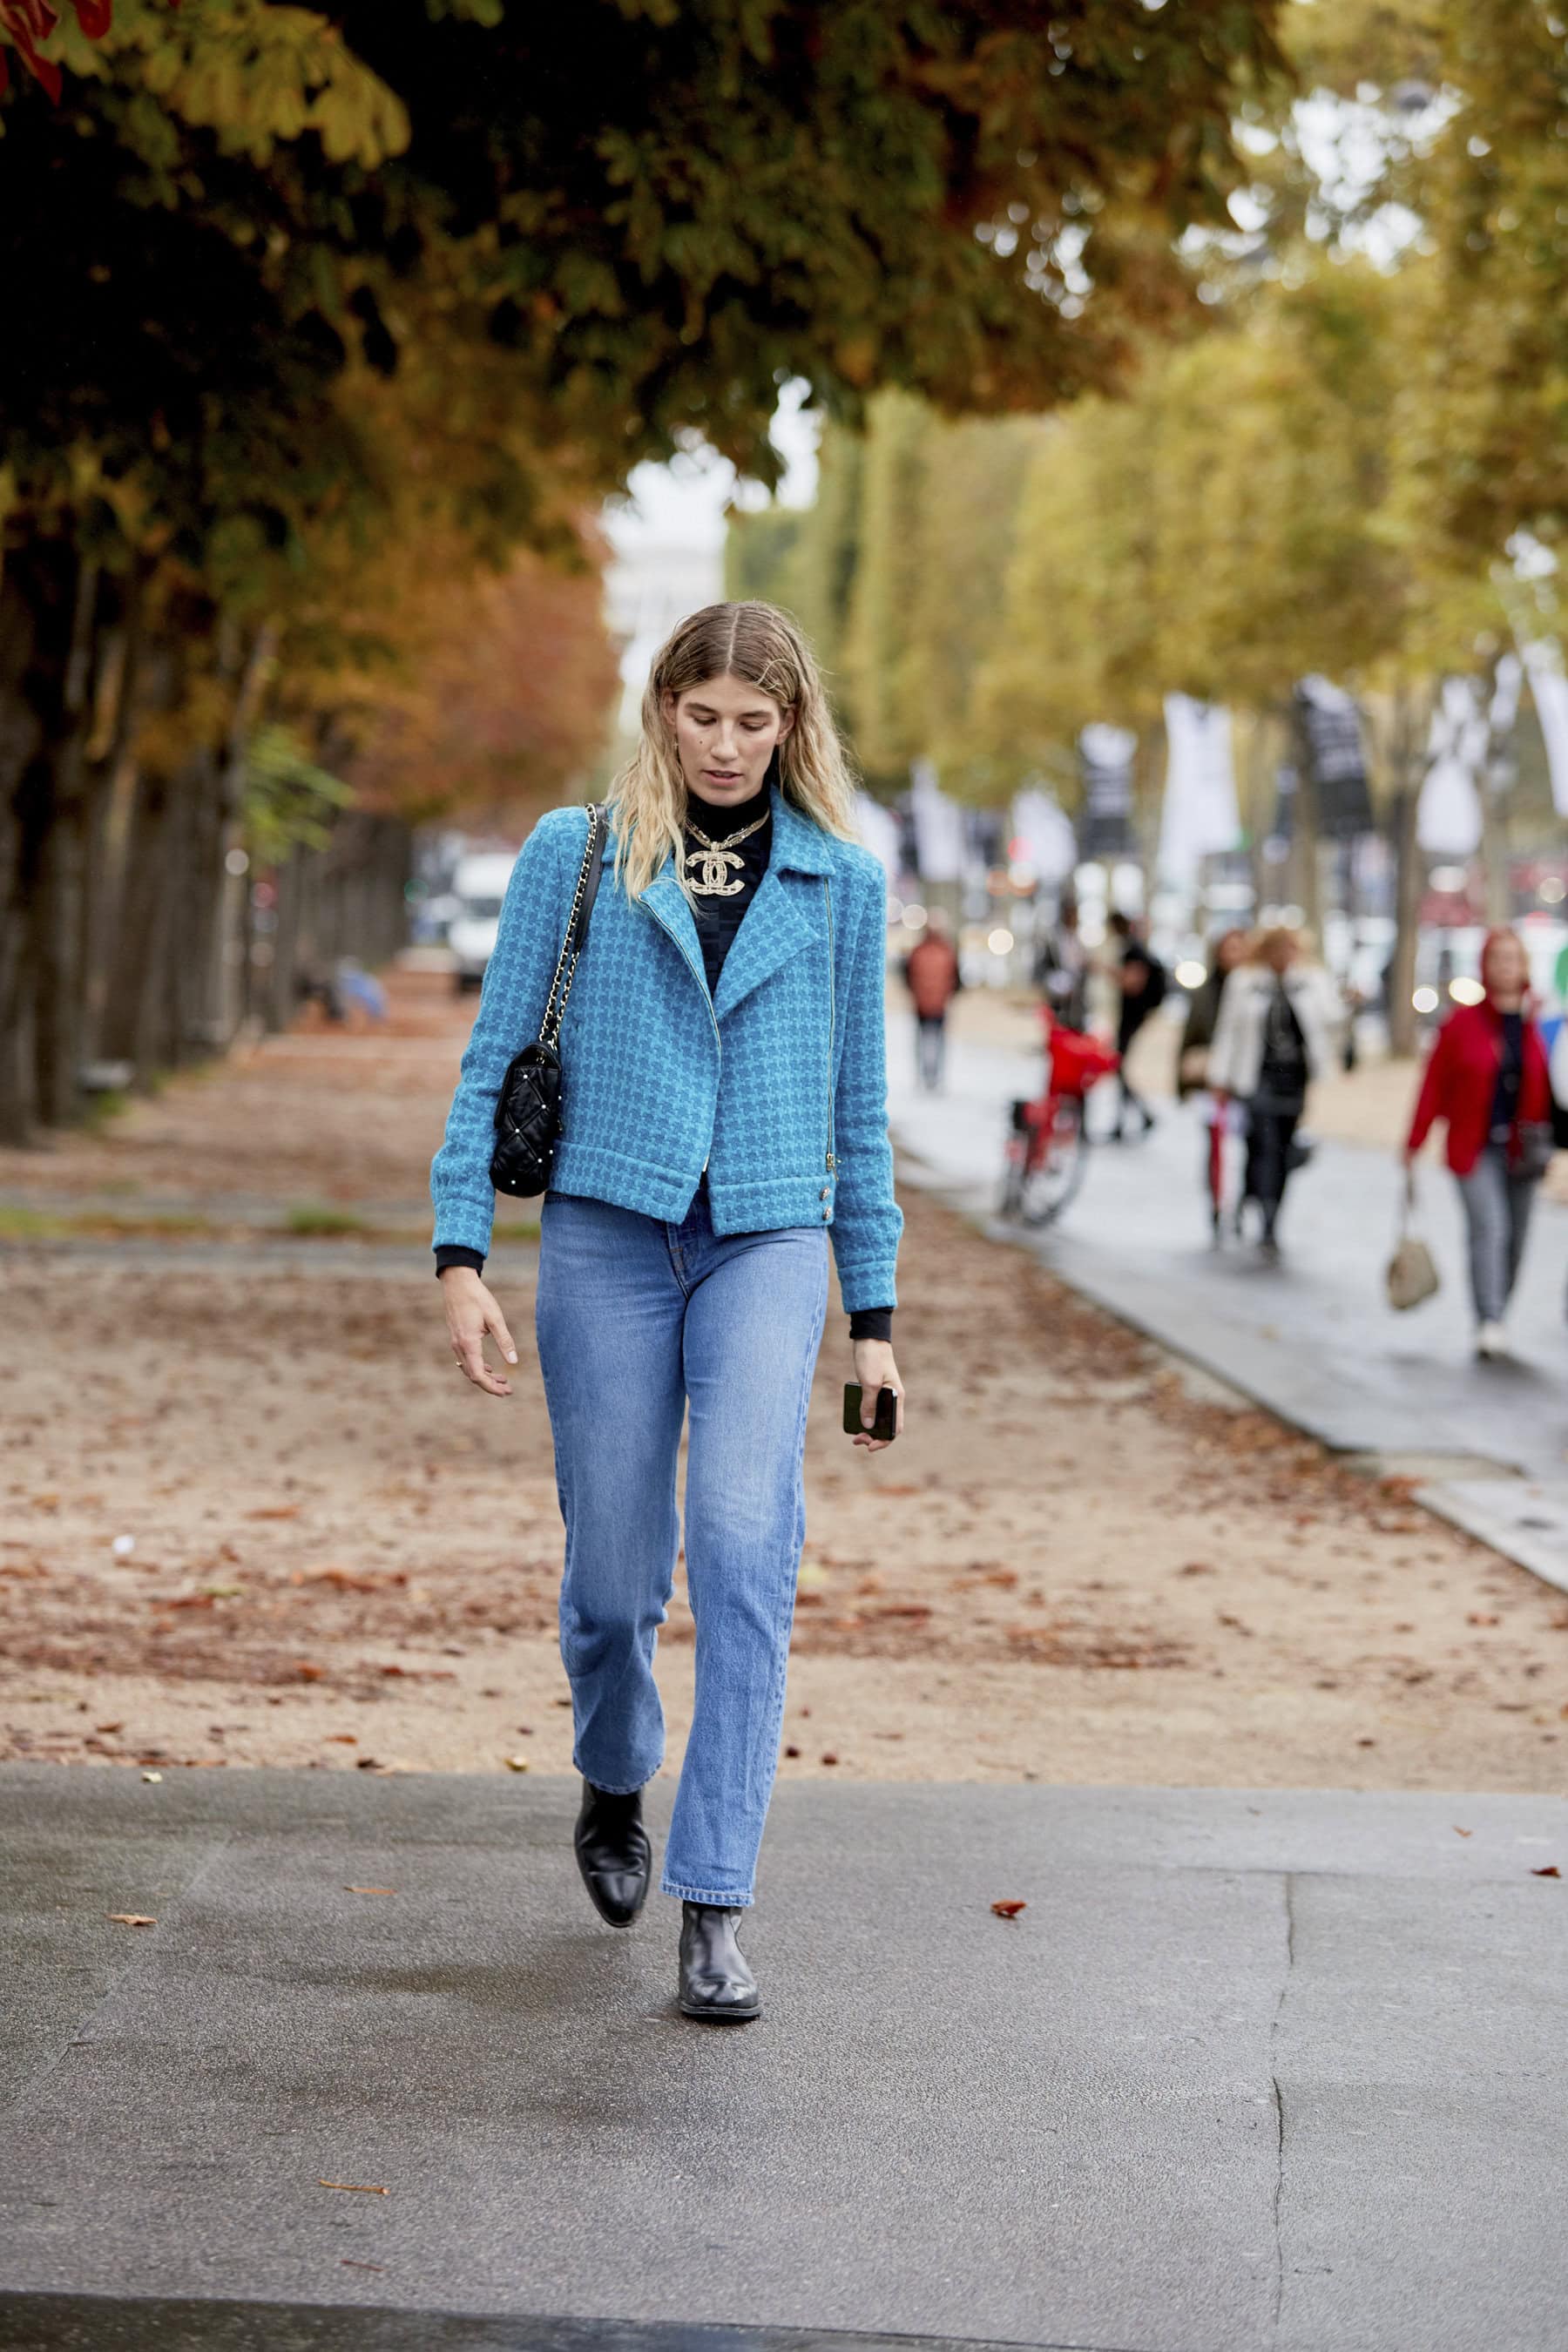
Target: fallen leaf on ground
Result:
[[275, 1511], [109, 1727], [309, 1673], [1008, 1910], [370, 1890], [348, 2262], [1459, 1832], [830, 1759], [1547, 1870], [356, 2188], [517, 1763], [131, 1919], [1482, 1617], [152, 1776]]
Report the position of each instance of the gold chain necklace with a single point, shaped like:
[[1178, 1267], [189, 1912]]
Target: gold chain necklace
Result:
[[715, 858]]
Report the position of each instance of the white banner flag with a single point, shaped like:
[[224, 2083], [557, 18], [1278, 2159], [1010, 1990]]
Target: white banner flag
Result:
[[1045, 832], [878, 829], [1544, 661], [1199, 817], [939, 826], [1448, 816]]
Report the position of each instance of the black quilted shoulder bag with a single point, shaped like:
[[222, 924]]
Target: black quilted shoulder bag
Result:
[[528, 1108]]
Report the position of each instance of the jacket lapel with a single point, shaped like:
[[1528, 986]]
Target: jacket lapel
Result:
[[666, 903], [774, 927], [786, 914]]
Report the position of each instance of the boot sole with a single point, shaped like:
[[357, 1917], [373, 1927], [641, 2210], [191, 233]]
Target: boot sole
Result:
[[721, 2016]]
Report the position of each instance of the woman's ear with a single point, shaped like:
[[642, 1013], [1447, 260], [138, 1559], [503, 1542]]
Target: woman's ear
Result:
[[786, 720], [668, 703]]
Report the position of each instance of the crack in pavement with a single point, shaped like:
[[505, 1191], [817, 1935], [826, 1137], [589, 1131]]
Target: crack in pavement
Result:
[[1288, 1889]]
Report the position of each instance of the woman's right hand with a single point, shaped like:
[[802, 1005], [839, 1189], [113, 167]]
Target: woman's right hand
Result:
[[470, 1313]]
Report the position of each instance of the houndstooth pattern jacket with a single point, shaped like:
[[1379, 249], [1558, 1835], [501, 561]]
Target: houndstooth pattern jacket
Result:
[[776, 1084]]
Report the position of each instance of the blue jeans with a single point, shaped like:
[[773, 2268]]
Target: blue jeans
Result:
[[635, 1318], [1496, 1214]]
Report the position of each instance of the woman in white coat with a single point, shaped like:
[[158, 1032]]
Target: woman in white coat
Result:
[[1277, 1031]]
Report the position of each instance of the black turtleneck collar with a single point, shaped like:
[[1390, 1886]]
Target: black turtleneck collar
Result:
[[720, 824]]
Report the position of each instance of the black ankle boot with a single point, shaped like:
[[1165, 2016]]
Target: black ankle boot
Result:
[[715, 1981], [613, 1854]]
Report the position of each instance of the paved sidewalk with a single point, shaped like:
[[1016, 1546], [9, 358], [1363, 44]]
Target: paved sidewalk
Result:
[[1313, 1339], [1279, 2070]]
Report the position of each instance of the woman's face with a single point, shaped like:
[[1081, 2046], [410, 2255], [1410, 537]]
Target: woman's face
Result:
[[725, 733], [1507, 973]]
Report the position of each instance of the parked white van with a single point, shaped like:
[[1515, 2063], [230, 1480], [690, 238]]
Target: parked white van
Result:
[[478, 886]]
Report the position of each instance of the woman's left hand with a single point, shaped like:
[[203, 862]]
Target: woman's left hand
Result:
[[875, 1369]]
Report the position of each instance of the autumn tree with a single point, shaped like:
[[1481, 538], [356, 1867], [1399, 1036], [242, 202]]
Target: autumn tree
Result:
[[241, 219]]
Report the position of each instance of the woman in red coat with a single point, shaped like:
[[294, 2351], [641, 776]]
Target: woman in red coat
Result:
[[1487, 1077]]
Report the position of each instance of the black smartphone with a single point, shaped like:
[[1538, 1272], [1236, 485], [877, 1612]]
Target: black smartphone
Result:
[[886, 1421]]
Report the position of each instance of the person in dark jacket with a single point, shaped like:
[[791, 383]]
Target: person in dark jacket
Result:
[[932, 976], [1225, 951], [1487, 1077], [1141, 978], [1061, 968]]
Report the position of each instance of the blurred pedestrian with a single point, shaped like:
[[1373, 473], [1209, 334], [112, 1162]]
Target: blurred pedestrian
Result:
[[726, 1084], [1275, 1033], [1140, 981], [932, 977], [1061, 968], [1225, 951], [1221, 1118], [1487, 1076]]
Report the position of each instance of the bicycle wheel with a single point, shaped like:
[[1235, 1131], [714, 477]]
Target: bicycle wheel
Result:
[[1051, 1183]]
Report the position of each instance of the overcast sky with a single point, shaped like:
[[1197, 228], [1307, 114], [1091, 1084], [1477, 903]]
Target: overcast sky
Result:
[[683, 504]]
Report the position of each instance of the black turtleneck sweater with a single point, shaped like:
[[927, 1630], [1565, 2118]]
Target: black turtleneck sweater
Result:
[[718, 917]]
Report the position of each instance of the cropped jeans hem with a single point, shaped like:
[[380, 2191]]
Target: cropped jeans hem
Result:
[[607, 1788], [721, 1899], [645, 1326]]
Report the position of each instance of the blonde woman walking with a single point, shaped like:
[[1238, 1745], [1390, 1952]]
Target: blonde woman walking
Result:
[[724, 1122], [1276, 1032]]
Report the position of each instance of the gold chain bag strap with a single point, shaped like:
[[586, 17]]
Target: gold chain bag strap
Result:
[[529, 1106]]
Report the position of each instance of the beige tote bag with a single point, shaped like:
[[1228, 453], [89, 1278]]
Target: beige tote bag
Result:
[[1412, 1272]]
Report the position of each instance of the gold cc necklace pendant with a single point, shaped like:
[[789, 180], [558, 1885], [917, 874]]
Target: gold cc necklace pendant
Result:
[[714, 858], [713, 881]]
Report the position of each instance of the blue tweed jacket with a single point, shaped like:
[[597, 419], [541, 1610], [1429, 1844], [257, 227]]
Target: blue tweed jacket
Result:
[[777, 1084]]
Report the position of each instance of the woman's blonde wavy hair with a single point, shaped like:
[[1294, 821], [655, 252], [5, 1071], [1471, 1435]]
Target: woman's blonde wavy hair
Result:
[[762, 646]]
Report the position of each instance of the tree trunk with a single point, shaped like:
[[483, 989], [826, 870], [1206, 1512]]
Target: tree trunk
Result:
[[1490, 783], [21, 734], [1306, 867], [131, 1018], [1409, 879], [229, 955], [49, 632], [278, 995]]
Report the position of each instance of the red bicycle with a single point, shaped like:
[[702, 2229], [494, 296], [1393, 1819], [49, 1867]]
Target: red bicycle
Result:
[[1047, 1151]]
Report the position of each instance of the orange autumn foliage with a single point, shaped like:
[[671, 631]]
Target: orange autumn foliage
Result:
[[501, 694]]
